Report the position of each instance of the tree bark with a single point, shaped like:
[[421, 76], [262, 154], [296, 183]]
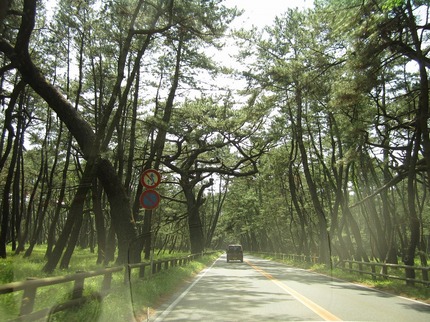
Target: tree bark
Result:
[[220, 202], [120, 212], [76, 210], [58, 208], [74, 234], [78, 127], [5, 210], [99, 222], [324, 239]]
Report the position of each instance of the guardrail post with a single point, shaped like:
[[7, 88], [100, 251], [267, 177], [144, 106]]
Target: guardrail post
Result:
[[107, 280], [385, 271], [78, 288], [142, 271], [127, 274], [28, 297], [408, 269], [372, 267], [425, 273]]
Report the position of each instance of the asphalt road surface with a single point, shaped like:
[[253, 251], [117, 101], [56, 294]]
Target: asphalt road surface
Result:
[[262, 290]]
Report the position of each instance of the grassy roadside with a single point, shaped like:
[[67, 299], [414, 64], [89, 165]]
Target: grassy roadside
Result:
[[130, 302], [395, 287], [137, 301]]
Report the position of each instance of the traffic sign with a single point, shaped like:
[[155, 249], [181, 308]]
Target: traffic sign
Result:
[[150, 178], [149, 199]]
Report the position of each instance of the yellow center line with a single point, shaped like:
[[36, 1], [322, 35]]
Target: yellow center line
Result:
[[323, 313]]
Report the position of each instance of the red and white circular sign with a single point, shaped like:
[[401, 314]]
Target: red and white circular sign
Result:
[[150, 178]]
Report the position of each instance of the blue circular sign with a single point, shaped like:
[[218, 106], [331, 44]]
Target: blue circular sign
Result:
[[149, 199]]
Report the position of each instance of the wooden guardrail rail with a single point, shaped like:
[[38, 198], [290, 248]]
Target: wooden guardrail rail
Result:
[[31, 285], [386, 271]]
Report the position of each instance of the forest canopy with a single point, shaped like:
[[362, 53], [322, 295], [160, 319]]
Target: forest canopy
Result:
[[311, 138]]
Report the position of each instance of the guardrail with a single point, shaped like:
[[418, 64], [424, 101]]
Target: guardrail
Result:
[[31, 285], [292, 257], [387, 271]]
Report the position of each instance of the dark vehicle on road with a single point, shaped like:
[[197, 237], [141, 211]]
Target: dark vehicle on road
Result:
[[234, 252]]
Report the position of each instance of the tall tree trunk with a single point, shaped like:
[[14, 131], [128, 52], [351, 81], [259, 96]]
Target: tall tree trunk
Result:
[[16, 197], [99, 222], [5, 210], [45, 195], [60, 199], [110, 246], [120, 212], [77, 125], [7, 124], [5, 151], [303, 235], [353, 225], [132, 141], [218, 208], [195, 226], [324, 240], [75, 213], [29, 211], [414, 223], [422, 137], [74, 234], [154, 159]]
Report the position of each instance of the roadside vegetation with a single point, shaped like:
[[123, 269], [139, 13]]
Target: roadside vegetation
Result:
[[312, 138], [124, 302], [141, 297], [417, 292]]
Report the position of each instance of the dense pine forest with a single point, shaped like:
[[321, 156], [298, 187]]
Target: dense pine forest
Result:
[[310, 136]]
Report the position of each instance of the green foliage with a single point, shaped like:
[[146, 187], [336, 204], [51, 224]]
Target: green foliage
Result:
[[393, 286], [344, 68], [391, 4], [123, 302], [135, 301], [20, 268], [6, 271]]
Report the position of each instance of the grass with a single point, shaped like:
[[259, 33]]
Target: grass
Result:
[[15, 268], [397, 287], [124, 302], [137, 300]]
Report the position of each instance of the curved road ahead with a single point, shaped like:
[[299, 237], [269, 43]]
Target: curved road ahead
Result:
[[259, 290]]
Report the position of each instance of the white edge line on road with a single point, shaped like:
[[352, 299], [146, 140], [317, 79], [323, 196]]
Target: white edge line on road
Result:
[[369, 288], [183, 294]]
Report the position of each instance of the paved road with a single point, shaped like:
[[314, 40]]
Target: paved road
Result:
[[260, 290]]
